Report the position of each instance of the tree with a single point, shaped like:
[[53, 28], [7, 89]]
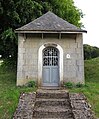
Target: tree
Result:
[[64, 9], [90, 52], [15, 13]]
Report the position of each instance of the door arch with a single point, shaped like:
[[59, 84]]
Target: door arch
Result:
[[57, 48]]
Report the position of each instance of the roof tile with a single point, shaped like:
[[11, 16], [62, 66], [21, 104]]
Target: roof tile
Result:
[[49, 22]]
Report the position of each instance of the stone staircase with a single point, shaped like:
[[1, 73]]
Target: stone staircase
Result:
[[52, 104]]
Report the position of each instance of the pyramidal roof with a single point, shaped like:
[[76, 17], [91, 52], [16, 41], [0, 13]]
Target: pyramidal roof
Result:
[[48, 22]]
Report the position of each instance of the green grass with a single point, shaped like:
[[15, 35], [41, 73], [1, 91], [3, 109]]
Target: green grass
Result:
[[9, 93], [91, 89]]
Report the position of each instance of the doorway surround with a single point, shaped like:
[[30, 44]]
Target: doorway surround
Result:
[[40, 62]]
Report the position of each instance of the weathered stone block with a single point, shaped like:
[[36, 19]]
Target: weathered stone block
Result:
[[20, 75], [80, 62], [21, 50]]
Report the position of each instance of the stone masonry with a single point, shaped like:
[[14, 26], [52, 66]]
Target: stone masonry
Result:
[[25, 106], [28, 46], [53, 104]]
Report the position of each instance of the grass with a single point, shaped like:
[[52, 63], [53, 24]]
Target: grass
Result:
[[9, 93], [91, 89]]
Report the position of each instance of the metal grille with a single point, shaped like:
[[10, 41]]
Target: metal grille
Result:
[[50, 56]]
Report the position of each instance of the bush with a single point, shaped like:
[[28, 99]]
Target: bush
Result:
[[79, 85], [72, 85], [68, 85], [9, 65], [90, 52], [31, 84]]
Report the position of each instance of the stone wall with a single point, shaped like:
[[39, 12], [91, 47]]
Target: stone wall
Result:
[[74, 67], [28, 46]]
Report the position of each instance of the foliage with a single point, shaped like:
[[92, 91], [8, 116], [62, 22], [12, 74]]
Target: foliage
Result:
[[14, 14], [1, 61], [92, 70], [9, 93], [69, 85], [79, 85], [31, 84], [90, 52], [9, 65], [91, 88], [63, 8]]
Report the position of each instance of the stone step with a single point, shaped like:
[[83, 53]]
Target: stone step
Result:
[[51, 109], [54, 118], [59, 94], [40, 102], [52, 112], [52, 94], [52, 104]]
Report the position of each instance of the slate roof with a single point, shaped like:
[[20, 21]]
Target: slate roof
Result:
[[48, 22]]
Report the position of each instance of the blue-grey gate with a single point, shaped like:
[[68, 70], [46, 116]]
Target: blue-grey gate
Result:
[[50, 71]]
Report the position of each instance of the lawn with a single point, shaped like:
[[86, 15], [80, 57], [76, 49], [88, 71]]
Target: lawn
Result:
[[9, 93], [91, 90]]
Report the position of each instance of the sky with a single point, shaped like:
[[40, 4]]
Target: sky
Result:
[[91, 20]]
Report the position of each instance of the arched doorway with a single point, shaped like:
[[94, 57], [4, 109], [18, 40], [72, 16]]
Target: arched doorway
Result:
[[43, 65], [50, 67]]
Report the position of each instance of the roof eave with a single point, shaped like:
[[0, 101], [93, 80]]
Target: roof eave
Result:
[[50, 31]]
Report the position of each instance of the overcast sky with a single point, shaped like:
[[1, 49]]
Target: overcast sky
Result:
[[91, 20]]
